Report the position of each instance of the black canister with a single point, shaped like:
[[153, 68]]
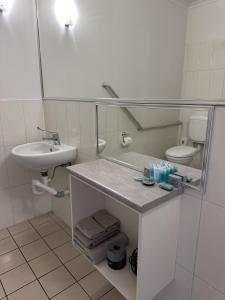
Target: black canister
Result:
[[116, 256]]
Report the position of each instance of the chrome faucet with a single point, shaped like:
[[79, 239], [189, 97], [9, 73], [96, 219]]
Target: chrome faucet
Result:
[[54, 136]]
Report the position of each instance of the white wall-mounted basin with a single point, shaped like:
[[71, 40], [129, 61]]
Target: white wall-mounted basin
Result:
[[41, 156], [101, 145]]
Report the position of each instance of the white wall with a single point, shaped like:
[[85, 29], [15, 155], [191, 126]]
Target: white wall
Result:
[[200, 272], [204, 68], [20, 113], [201, 247], [18, 121], [137, 47], [19, 71], [76, 124]]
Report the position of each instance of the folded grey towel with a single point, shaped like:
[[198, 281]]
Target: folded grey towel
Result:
[[90, 228], [93, 243], [98, 254], [105, 219]]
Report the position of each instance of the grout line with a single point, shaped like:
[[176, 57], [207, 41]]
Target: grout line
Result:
[[83, 290], [209, 285], [50, 271], [50, 250], [9, 251], [63, 290], [31, 270], [20, 288], [3, 289], [23, 263], [106, 293], [196, 247]]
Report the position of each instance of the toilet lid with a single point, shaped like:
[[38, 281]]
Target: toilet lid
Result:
[[181, 151]]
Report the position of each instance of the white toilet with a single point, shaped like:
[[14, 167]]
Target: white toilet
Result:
[[197, 134]]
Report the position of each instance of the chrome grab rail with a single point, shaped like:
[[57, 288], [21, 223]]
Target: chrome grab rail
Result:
[[131, 117]]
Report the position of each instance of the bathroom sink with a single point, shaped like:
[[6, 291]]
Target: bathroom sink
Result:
[[101, 145], [41, 156]]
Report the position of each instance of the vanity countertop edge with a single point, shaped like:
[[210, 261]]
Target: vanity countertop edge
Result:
[[118, 181]]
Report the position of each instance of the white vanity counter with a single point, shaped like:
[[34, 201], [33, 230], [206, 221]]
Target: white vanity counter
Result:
[[118, 181], [149, 216]]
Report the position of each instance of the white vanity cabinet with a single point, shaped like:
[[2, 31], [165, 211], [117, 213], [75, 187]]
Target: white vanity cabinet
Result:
[[149, 217]]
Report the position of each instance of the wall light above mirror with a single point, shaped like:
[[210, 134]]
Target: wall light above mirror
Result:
[[66, 12], [135, 46], [5, 6]]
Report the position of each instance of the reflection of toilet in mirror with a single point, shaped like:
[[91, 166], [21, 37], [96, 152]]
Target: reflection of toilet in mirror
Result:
[[197, 134]]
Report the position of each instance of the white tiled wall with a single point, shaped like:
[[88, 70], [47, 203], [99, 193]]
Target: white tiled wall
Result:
[[204, 70], [76, 124], [201, 244], [18, 122]]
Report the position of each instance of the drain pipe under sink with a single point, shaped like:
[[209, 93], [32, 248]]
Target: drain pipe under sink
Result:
[[40, 188]]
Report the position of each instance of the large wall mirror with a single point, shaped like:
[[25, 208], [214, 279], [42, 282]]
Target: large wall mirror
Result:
[[140, 136], [136, 47]]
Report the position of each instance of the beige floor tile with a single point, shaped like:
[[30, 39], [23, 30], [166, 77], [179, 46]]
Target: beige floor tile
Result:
[[56, 281], [10, 261], [113, 295], [44, 264], [35, 249], [56, 239], [20, 227], [68, 230], [47, 228], [17, 278], [40, 220], [2, 293], [4, 234], [95, 285], [31, 291], [74, 292], [80, 267], [67, 252], [26, 237], [7, 245], [58, 220]]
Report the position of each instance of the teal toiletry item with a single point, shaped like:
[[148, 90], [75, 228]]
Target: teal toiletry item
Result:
[[160, 172], [151, 173], [166, 186]]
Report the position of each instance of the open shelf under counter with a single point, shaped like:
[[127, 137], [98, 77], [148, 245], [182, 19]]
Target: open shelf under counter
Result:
[[124, 280]]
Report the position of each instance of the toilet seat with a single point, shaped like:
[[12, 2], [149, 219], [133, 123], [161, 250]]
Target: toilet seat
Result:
[[181, 152]]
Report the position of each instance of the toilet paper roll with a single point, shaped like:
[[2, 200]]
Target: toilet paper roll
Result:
[[126, 141]]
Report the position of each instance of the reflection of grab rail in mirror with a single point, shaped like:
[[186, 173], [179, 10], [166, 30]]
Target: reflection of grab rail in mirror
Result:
[[131, 117]]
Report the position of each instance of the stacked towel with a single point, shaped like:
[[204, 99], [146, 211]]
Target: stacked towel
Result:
[[90, 228], [94, 233], [98, 254], [93, 230], [88, 243]]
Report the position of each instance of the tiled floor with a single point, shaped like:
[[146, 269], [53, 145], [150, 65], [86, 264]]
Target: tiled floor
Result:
[[38, 262]]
